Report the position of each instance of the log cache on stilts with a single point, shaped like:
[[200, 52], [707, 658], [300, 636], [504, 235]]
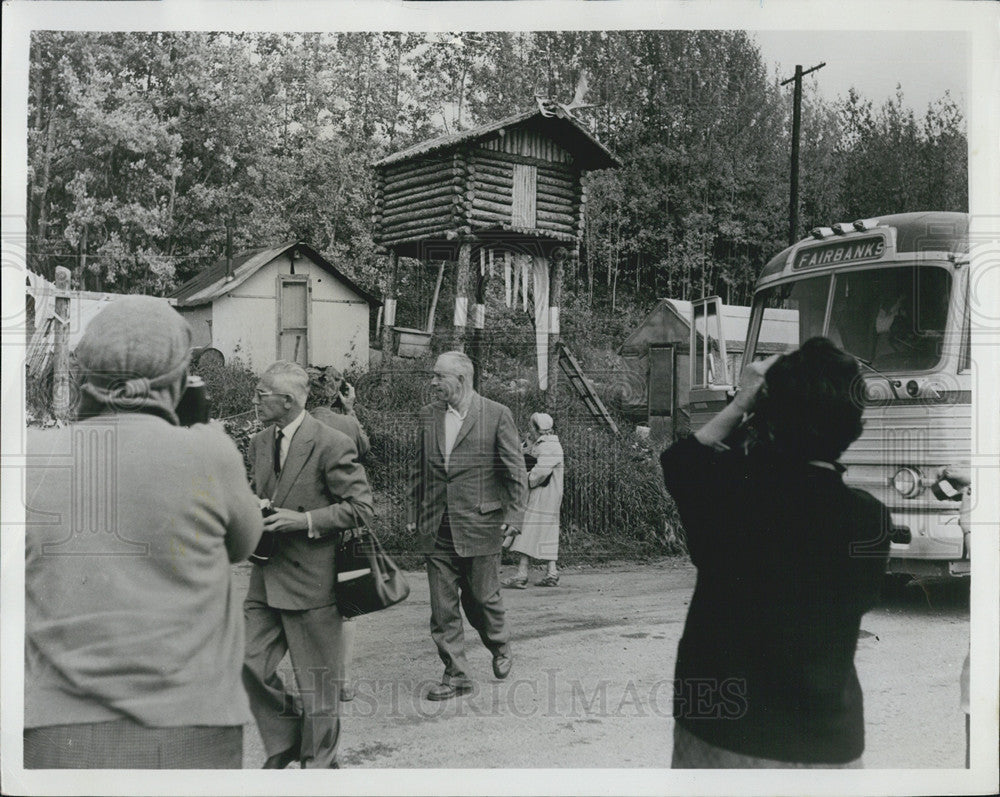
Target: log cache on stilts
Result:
[[514, 185]]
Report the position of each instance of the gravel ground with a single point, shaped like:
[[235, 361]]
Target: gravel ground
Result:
[[590, 686]]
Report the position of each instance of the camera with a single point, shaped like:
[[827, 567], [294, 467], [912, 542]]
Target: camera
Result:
[[195, 405], [343, 391], [268, 542]]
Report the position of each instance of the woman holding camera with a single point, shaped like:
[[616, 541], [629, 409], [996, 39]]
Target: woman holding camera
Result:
[[134, 637], [340, 413], [789, 559]]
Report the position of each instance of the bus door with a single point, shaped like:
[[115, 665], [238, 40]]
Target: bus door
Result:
[[711, 385]]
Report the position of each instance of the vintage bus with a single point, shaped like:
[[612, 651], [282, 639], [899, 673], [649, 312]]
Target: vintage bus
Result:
[[894, 292]]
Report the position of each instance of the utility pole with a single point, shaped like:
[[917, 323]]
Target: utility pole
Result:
[[793, 202]]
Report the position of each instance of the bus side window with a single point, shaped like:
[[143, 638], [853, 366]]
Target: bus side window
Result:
[[965, 360]]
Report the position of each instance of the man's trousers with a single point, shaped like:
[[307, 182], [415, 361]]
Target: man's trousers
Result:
[[472, 582], [308, 722]]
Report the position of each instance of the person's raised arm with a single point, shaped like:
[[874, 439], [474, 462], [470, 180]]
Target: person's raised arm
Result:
[[722, 425]]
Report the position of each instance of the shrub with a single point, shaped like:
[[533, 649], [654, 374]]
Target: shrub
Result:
[[230, 390], [614, 502]]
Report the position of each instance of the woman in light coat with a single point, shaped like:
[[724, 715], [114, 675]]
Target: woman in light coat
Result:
[[539, 537]]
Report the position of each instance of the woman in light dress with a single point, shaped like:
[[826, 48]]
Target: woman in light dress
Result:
[[539, 537]]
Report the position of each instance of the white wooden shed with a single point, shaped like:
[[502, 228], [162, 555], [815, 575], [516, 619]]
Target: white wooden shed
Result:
[[282, 303], [657, 361]]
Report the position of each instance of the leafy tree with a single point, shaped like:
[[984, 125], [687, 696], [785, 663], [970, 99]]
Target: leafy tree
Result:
[[145, 148]]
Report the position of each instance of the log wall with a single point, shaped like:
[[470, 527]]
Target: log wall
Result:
[[555, 205], [418, 197], [519, 180]]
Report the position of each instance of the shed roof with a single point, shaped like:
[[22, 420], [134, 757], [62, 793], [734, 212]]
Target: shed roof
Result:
[[779, 328], [587, 150], [211, 283]]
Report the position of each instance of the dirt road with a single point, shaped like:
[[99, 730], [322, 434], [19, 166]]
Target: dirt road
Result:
[[591, 686]]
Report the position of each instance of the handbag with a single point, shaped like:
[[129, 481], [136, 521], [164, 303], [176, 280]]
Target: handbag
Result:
[[366, 579]]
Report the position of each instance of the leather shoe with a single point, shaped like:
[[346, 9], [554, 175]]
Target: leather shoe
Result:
[[501, 665], [282, 759], [445, 691]]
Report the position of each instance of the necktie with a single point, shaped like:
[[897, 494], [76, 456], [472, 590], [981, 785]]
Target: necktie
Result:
[[277, 453]]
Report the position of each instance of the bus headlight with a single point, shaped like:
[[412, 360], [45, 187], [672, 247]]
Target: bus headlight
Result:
[[908, 482]]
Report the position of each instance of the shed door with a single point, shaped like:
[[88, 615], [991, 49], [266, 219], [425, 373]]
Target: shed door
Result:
[[293, 319], [661, 381], [634, 390], [524, 197]]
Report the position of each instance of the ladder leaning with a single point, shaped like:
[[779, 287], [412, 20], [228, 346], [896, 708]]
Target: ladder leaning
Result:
[[583, 388]]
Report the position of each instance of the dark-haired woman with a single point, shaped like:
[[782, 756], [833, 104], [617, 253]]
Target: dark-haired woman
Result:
[[340, 415], [789, 559]]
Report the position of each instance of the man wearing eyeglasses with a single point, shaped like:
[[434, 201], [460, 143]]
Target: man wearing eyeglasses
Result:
[[317, 489]]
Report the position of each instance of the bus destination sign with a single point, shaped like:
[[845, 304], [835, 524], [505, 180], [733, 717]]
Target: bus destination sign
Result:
[[838, 253]]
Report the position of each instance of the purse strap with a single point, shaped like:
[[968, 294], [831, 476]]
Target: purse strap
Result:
[[359, 521], [379, 551]]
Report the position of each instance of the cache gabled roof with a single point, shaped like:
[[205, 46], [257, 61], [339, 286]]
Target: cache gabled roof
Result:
[[588, 152], [212, 283]]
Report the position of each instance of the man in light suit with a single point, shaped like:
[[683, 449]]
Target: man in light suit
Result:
[[468, 489], [311, 474]]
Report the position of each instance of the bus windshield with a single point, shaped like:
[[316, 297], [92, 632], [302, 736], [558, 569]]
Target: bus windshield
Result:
[[892, 318]]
